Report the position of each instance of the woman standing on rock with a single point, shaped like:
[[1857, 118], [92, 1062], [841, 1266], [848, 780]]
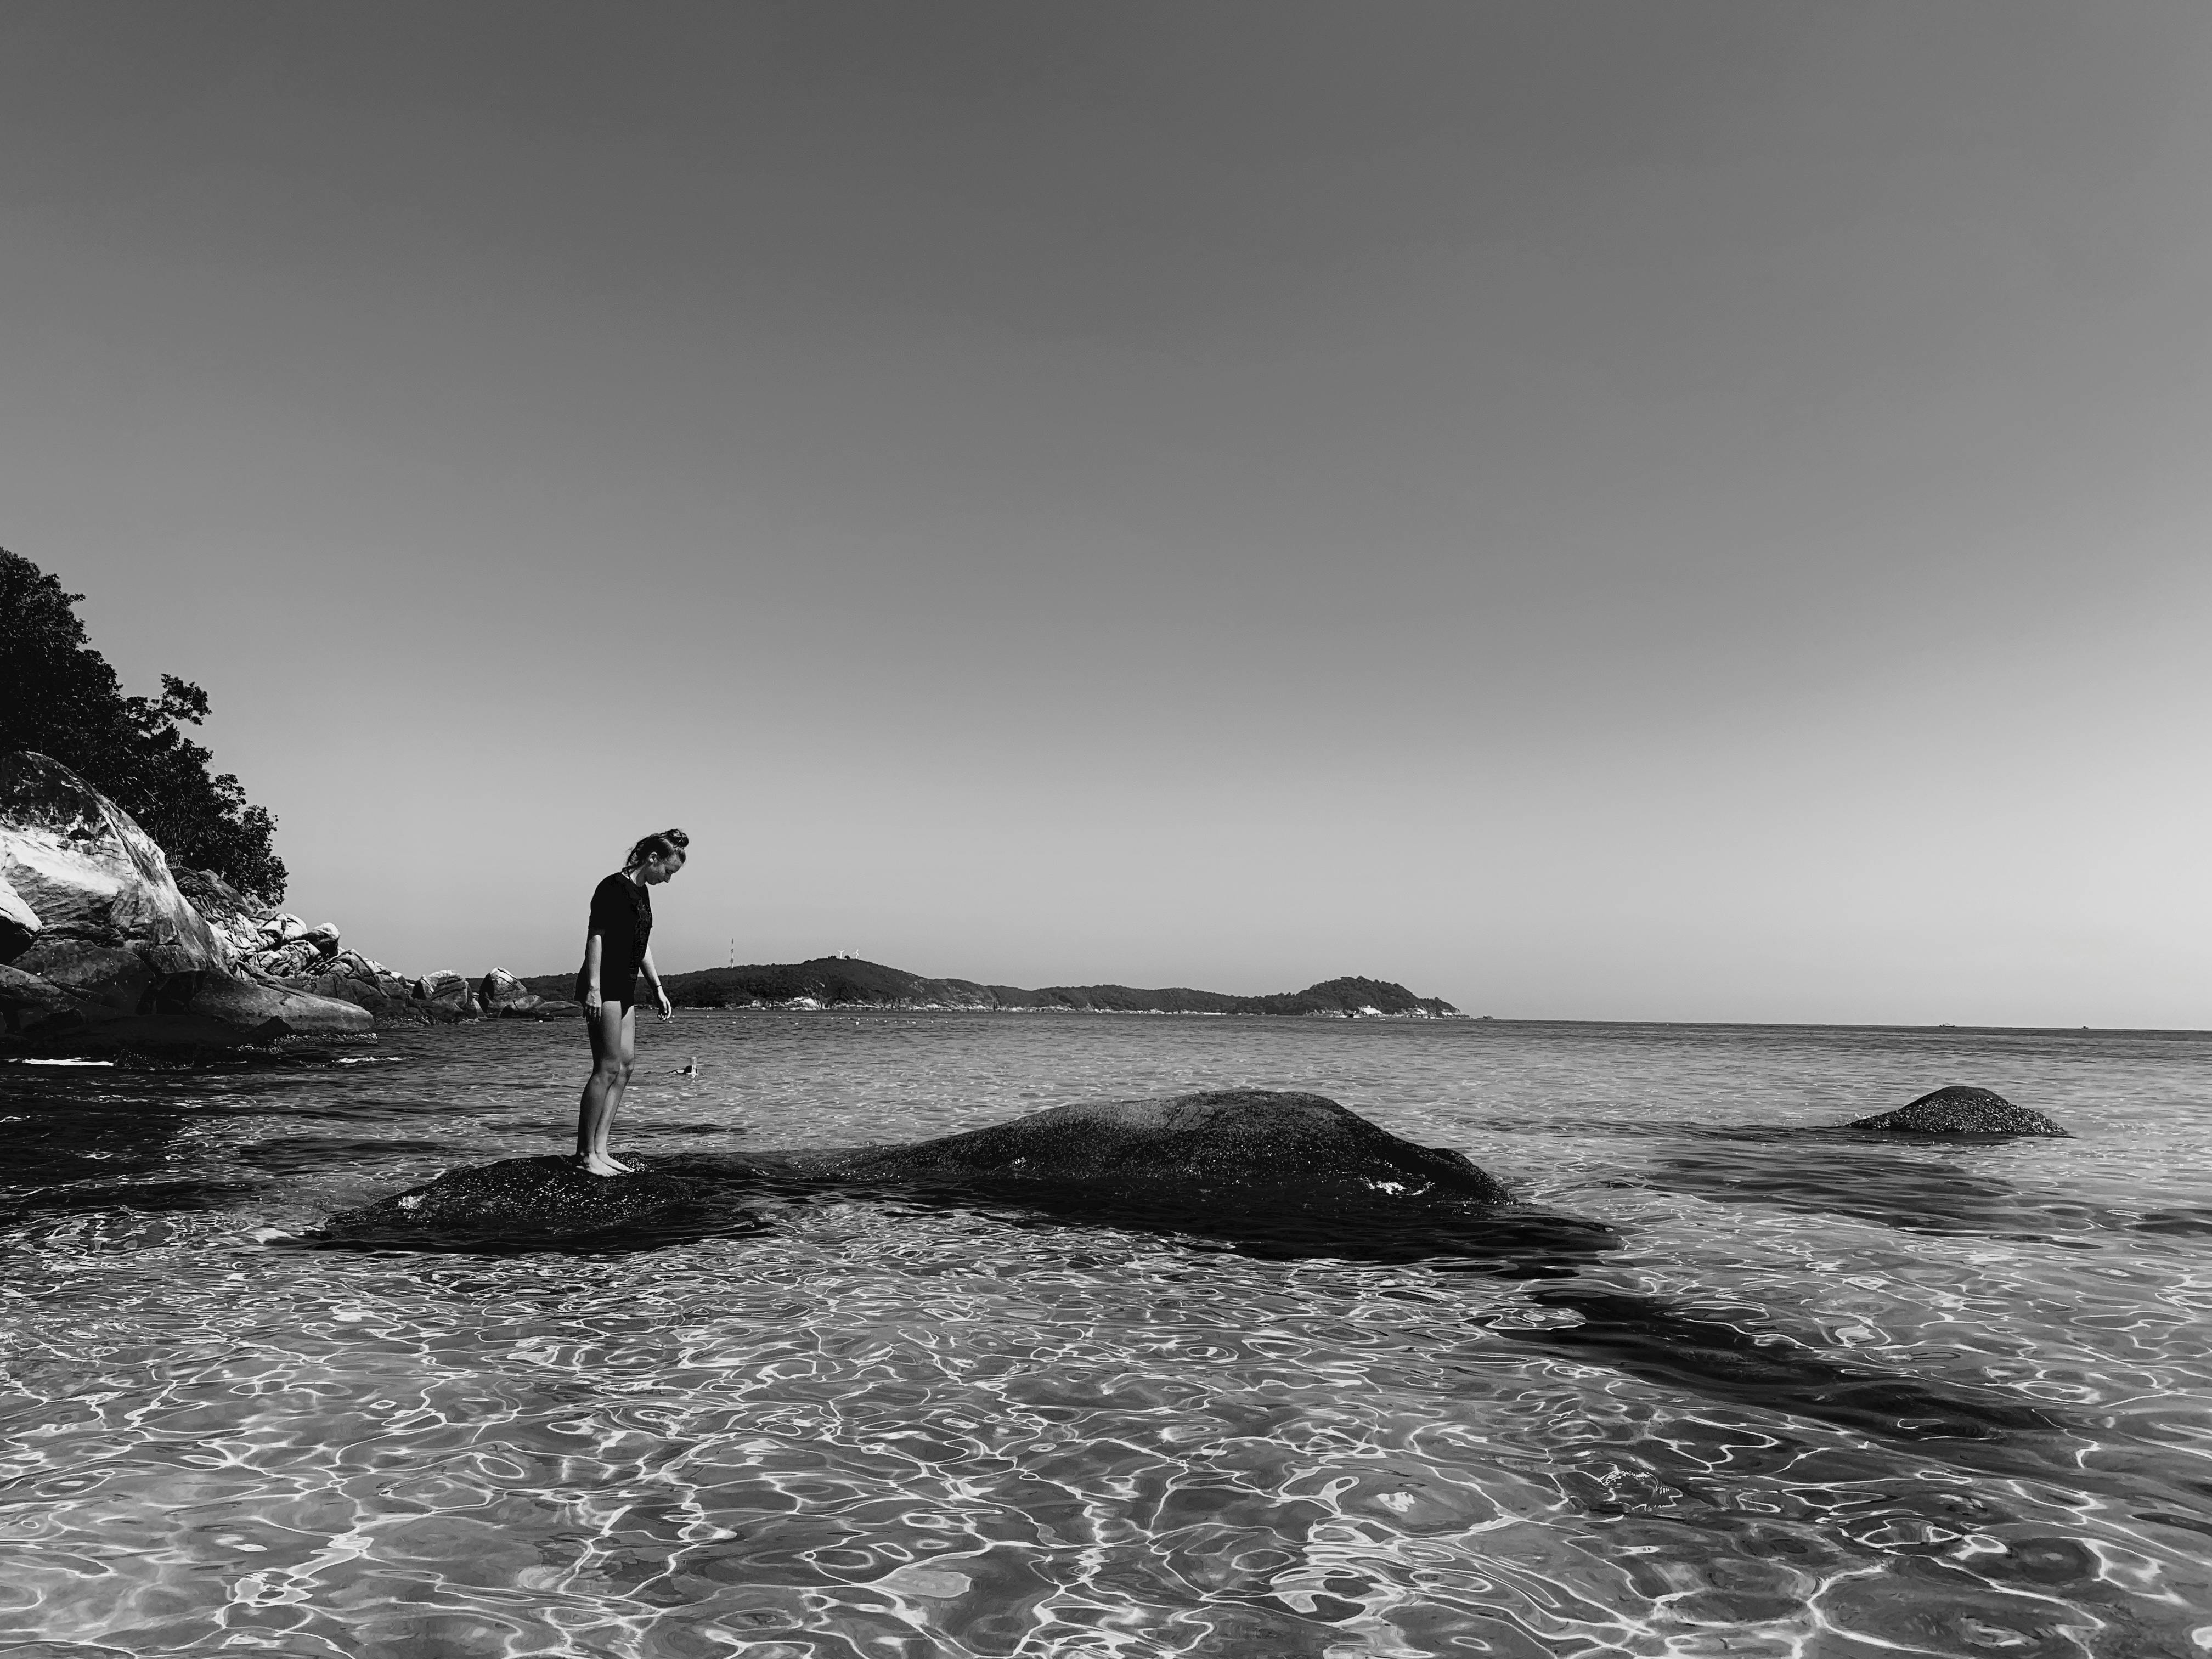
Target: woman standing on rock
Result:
[[617, 948]]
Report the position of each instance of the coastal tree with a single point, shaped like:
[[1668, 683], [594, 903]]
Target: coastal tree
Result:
[[59, 695]]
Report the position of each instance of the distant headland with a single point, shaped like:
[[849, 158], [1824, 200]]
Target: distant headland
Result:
[[104, 945], [849, 982]]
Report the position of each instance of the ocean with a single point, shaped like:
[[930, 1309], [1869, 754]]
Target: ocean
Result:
[[1835, 1396]]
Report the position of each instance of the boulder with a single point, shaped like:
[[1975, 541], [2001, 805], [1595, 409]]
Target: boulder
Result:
[[237, 922], [443, 998], [120, 957], [284, 953], [190, 1010], [113, 977], [1227, 1146], [1277, 1174], [361, 990], [1960, 1111], [525, 1200], [501, 992], [86, 870], [28, 999], [264, 1012], [292, 961], [19, 923]]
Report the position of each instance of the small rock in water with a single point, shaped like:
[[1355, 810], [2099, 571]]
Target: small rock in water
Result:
[[1960, 1111], [499, 991]]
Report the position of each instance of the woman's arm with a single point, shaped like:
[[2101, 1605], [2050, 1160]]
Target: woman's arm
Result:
[[594, 947], [652, 978]]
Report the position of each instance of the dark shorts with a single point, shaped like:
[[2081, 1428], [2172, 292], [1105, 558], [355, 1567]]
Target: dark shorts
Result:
[[624, 993]]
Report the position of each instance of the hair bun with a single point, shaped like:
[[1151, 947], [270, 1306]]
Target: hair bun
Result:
[[667, 842]]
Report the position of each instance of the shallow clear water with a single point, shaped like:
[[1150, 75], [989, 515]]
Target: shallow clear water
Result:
[[867, 1430]]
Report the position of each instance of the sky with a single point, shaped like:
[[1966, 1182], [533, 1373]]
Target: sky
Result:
[[1609, 511]]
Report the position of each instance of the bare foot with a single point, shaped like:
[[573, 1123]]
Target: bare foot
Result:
[[601, 1166], [622, 1167]]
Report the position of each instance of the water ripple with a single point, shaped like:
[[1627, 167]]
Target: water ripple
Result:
[[870, 1430]]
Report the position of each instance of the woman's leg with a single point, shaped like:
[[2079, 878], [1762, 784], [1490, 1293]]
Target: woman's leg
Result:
[[626, 1048], [613, 1037]]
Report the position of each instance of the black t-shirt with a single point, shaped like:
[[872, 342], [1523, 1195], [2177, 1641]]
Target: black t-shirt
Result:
[[622, 915]]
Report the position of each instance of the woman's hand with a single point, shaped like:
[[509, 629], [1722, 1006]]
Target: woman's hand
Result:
[[667, 1008], [593, 1002]]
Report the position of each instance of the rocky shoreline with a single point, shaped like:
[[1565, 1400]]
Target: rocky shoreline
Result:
[[277, 946], [103, 946]]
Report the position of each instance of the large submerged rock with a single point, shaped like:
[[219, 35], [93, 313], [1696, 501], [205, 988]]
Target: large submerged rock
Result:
[[1278, 1174], [1959, 1109], [1677, 1344], [104, 949], [1272, 1173], [1234, 1147]]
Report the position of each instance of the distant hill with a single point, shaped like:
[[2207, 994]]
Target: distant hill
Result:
[[849, 982]]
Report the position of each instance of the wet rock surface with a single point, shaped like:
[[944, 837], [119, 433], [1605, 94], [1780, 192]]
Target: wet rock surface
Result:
[[1276, 1176], [1224, 1145], [1271, 1173], [1959, 1109]]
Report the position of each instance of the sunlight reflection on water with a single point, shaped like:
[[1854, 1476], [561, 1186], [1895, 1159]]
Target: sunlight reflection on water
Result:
[[870, 1430]]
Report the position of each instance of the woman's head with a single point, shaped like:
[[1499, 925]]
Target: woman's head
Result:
[[658, 857]]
